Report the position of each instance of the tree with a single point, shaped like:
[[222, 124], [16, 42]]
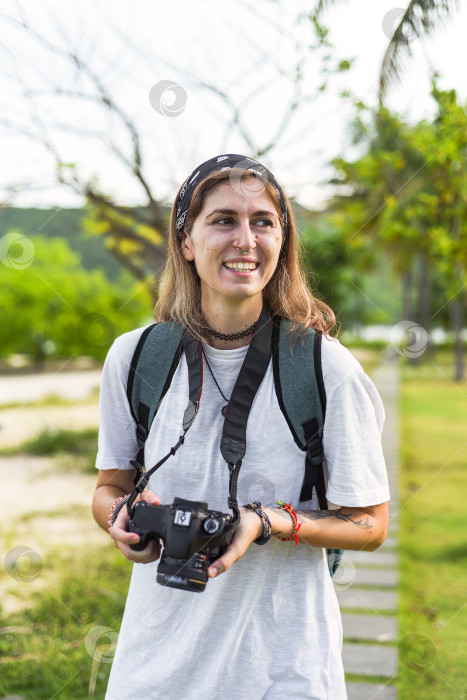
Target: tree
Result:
[[407, 194], [138, 237], [420, 18], [52, 307]]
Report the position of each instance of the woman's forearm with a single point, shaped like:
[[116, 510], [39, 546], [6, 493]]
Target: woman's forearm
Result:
[[345, 528], [102, 502]]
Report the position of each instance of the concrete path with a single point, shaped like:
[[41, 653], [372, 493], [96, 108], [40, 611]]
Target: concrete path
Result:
[[367, 585]]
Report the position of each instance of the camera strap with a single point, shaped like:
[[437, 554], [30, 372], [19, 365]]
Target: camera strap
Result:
[[255, 364], [233, 440]]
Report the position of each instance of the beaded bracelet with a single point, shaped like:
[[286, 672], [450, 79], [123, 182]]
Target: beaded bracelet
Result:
[[296, 525], [117, 505], [266, 536]]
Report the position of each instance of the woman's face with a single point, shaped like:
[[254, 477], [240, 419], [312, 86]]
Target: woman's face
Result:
[[231, 219]]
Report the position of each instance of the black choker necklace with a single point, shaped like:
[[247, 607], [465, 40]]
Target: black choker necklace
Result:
[[233, 336]]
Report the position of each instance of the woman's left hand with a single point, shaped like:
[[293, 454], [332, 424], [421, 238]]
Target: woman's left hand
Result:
[[249, 529]]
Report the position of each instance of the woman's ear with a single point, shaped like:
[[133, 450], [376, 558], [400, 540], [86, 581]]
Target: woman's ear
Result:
[[187, 247]]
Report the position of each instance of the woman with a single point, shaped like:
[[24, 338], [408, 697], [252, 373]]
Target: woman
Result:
[[268, 625]]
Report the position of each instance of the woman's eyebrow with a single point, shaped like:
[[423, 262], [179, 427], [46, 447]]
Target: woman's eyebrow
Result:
[[230, 212]]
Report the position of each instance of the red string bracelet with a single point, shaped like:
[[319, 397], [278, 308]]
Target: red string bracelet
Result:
[[296, 525]]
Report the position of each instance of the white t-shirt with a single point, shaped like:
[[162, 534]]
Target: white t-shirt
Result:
[[270, 626]]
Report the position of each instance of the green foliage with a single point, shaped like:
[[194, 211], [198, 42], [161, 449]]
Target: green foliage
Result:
[[348, 274], [406, 194], [52, 306], [67, 224], [433, 552]]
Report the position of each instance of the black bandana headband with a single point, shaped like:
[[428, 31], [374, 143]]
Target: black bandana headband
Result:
[[221, 163]]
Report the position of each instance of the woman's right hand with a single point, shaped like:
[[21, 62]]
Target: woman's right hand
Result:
[[119, 532]]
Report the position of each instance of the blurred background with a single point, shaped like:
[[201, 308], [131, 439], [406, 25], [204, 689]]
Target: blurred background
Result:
[[359, 109]]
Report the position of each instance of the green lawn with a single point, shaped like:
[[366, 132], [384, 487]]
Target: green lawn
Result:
[[433, 532], [61, 646]]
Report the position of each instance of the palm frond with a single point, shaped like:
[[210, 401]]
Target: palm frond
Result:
[[419, 20], [322, 5]]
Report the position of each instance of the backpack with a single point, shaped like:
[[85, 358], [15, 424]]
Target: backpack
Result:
[[298, 381]]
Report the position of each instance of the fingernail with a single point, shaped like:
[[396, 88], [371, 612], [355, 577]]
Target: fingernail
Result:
[[213, 572]]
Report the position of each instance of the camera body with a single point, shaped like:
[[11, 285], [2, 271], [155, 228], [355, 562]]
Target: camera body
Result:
[[193, 537]]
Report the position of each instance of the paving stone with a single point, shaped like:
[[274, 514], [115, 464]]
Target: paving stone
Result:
[[389, 542], [370, 600], [370, 659], [374, 577], [370, 691], [377, 557], [378, 628]]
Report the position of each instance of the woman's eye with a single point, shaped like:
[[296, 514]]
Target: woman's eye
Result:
[[227, 221]]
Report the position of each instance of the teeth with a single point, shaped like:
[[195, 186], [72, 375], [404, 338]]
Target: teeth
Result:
[[241, 266]]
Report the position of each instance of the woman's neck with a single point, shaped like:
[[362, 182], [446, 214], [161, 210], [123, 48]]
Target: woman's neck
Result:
[[228, 320]]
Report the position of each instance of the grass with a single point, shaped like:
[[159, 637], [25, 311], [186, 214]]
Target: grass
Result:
[[433, 532], [53, 400], [47, 650], [79, 445]]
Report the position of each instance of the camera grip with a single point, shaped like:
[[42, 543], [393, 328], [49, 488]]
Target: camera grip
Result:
[[142, 544]]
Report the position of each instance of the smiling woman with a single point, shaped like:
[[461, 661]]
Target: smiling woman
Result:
[[237, 213], [268, 625]]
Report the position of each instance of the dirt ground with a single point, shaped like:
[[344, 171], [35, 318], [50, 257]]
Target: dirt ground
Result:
[[44, 502]]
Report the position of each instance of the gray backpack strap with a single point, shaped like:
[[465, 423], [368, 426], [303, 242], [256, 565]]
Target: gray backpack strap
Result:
[[154, 362], [300, 391]]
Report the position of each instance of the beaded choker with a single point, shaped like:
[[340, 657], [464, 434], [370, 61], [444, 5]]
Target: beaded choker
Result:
[[233, 336]]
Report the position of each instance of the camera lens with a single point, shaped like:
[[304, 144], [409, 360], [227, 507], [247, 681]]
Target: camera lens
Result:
[[211, 525]]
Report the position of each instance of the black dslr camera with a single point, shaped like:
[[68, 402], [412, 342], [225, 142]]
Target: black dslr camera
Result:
[[193, 538]]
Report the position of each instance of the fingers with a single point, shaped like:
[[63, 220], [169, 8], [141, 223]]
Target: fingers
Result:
[[150, 553], [249, 529], [149, 497], [123, 538], [235, 550]]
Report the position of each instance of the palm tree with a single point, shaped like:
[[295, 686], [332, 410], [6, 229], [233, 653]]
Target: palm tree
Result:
[[419, 19]]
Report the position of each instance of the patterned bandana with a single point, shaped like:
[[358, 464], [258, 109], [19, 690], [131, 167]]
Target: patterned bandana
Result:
[[221, 163]]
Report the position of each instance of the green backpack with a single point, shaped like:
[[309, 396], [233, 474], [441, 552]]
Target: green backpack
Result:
[[298, 381]]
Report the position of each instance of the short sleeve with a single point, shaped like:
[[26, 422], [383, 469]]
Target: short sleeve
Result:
[[117, 429], [357, 474]]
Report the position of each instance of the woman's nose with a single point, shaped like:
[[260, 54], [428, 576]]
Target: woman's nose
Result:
[[245, 238]]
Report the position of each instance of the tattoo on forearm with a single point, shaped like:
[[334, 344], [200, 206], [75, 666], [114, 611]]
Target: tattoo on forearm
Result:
[[320, 514], [282, 514]]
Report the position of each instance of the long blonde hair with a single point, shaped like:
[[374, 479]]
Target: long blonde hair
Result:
[[287, 293]]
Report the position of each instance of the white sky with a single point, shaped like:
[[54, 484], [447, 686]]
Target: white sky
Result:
[[131, 46]]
